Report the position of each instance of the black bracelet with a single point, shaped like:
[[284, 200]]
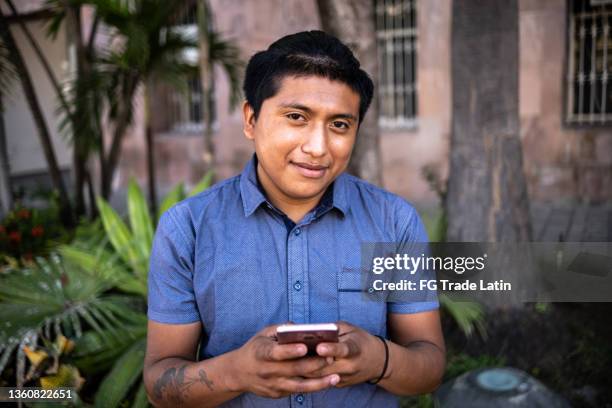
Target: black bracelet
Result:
[[386, 361]]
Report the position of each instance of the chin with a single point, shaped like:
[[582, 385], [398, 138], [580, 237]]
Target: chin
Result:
[[304, 193]]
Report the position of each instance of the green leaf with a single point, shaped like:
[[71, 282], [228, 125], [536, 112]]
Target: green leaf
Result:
[[57, 291], [120, 237], [106, 265], [140, 220], [202, 184], [141, 400], [95, 352], [469, 315], [174, 196], [124, 374]]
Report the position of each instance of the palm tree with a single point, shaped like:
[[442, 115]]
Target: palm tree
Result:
[[19, 65], [152, 51], [7, 76], [214, 50]]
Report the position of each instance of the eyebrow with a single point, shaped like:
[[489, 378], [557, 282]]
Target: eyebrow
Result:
[[308, 110]]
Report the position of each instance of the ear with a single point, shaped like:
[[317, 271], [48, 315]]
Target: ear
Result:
[[248, 121]]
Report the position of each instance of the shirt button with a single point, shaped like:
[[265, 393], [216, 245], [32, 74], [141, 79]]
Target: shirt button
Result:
[[298, 231], [297, 285], [299, 398]]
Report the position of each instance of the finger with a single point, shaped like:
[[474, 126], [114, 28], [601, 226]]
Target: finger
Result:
[[301, 385], [270, 331], [342, 367], [306, 366], [344, 327], [334, 350], [273, 351]]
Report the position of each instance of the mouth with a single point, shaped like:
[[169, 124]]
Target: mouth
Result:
[[310, 170]]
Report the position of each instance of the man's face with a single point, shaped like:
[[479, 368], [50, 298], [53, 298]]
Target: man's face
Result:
[[303, 136]]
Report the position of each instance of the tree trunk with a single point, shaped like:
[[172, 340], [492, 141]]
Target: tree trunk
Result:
[[487, 194], [39, 120], [73, 25], [206, 78], [79, 149], [5, 169], [93, 209], [149, 149], [353, 23], [121, 125]]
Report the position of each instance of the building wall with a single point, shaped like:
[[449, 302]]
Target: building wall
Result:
[[23, 143], [561, 163]]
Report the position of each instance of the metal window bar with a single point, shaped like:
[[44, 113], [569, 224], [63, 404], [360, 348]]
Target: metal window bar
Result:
[[589, 101], [396, 34], [184, 109]]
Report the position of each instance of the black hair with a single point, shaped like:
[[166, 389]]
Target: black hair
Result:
[[303, 54]]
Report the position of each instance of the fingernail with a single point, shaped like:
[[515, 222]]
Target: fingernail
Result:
[[300, 349], [334, 380], [323, 349], [330, 360]]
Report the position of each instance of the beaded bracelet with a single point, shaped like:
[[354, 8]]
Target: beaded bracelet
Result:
[[386, 361]]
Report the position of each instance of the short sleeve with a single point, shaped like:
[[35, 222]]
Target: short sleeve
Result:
[[412, 234], [171, 297]]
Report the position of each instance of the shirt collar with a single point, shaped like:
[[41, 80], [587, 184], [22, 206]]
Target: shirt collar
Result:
[[253, 197]]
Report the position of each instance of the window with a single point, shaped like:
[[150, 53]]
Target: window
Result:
[[589, 98], [396, 34], [184, 109]]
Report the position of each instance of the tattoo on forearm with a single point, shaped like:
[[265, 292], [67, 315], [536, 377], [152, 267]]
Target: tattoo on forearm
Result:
[[172, 385]]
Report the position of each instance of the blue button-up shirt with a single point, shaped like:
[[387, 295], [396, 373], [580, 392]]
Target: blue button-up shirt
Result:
[[227, 259]]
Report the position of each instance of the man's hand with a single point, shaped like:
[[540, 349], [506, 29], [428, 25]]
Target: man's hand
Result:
[[357, 357], [273, 370]]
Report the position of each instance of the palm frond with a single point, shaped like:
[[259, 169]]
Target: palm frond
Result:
[[140, 220], [7, 71], [124, 374], [174, 196], [95, 353], [108, 264], [141, 400], [122, 239], [54, 297], [468, 315], [203, 184], [226, 53]]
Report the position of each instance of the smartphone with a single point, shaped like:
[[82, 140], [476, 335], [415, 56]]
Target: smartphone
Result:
[[309, 334]]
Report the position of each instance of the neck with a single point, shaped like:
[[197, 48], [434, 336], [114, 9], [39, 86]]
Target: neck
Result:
[[295, 209]]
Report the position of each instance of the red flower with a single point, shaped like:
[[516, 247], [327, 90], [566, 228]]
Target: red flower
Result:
[[15, 236], [37, 231], [2, 229], [23, 213]]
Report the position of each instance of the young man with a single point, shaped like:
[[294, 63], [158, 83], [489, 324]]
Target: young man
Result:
[[281, 242]]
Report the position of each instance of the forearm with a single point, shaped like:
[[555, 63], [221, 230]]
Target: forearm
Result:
[[413, 369], [178, 382]]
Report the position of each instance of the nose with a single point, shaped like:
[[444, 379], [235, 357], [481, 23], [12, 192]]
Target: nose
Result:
[[315, 144]]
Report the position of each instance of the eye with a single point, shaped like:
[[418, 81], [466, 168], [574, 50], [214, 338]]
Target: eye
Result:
[[340, 124], [296, 116]]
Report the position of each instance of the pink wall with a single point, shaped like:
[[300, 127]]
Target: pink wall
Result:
[[561, 164]]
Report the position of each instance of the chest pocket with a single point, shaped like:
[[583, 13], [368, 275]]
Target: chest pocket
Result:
[[355, 306]]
